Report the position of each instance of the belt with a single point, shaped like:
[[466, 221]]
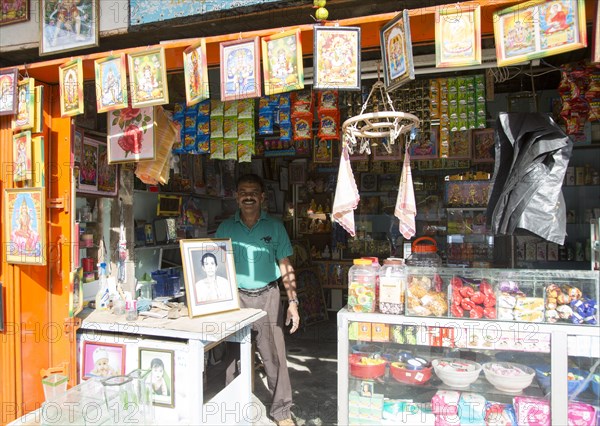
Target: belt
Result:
[[259, 291]]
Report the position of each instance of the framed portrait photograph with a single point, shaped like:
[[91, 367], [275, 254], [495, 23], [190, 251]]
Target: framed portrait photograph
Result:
[[539, 28], [25, 225], [25, 116], [195, 73], [483, 150], [396, 51], [131, 135], [336, 58], [161, 364], [71, 88], [209, 275], [102, 360], [282, 62], [22, 160], [67, 26], [457, 36], [240, 69], [148, 78], [13, 12], [111, 83], [8, 91]]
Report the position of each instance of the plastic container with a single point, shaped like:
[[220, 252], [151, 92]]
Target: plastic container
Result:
[[361, 286], [376, 267], [423, 254], [162, 288], [392, 286], [54, 386], [103, 295]]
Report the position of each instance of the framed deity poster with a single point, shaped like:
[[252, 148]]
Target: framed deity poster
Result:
[[396, 51], [111, 83], [483, 150], [282, 62], [336, 63], [22, 164], [596, 39], [25, 225], [88, 169], [457, 36], [14, 11], [131, 135], [71, 88], [68, 25], [8, 91], [148, 78], [240, 69], [25, 117], [195, 73]]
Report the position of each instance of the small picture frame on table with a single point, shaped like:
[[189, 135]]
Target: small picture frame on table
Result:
[[396, 51], [336, 59], [161, 364], [148, 78], [483, 150], [102, 360], [240, 69]]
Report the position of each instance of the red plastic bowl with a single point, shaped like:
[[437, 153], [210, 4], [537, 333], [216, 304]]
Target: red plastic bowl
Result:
[[413, 377], [364, 371]]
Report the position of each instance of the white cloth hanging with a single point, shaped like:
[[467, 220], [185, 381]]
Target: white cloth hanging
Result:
[[406, 207], [346, 195]]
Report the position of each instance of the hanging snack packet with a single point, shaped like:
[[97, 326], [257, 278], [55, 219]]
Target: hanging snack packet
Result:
[[245, 150], [216, 108], [216, 127], [230, 109], [246, 108], [230, 148], [216, 149], [265, 122], [302, 126], [245, 130], [230, 129], [329, 124]]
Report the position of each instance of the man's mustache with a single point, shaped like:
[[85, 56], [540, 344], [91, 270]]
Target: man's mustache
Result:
[[249, 200]]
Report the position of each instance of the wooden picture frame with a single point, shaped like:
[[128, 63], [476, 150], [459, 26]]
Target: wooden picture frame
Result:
[[283, 70], [161, 363], [459, 145], [148, 78], [483, 150], [25, 114], [323, 151], [102, 360], [168, 205], [22, 158], [537, 29], [108, 176], [71, 88], [8, 90], [38, 109], [96, 174], [396, 51], [25, 226], [426, 148], [368, 182], [111, 83], [240, 69], [297, 173], [65, 28], [195, 73], [77, 141], [131, 135], [457, 36], [209, 276], [13, 12], [336, 58]]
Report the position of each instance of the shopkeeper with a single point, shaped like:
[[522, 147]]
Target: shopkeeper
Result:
[[261, 248]]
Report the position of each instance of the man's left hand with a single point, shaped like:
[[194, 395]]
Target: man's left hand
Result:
[[293, 317]]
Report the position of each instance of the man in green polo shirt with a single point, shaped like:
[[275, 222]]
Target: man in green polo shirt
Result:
[[261, 248]]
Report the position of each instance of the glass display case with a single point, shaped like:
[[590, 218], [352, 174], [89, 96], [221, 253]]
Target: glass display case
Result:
[[469, 242], [471, 369]]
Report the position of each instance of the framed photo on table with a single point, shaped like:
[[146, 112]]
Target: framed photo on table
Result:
[[102, 360], [25, 117], [111, 83], [13, 12], [209, 275], [66, 26], [195, 73], [457, 36], [161, 364], [71, 88], [8, 91], [240, 69], [396, 51], [25, 225], [148, 78], [282, 62], [336, 61]]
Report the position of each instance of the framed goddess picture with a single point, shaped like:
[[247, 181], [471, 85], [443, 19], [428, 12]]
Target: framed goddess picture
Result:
[[483, 150], [396, 51], [240, 69], [282, 62], [111, 83], [25, 225], [336, 58], [161, 379], [25, 117], [68, 25], [148, 78], [14, 11], [457, 36], [102, 360], [195, 72], [71, 88], [131, 135], [209, 275], [8, 91], [22, 169]]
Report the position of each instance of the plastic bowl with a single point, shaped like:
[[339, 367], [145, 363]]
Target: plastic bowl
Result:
[[366, 371], [413, 377], [516, 377], [367, 349], [542, 373], [596, 384], [456, 373]]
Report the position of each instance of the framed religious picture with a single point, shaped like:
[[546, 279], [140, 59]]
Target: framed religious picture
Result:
[[209, 275], [596, 39], [459, 145], [195, 73], [148, 78], [240, 69], [107, 173], [14, 11], [336, 59], [131, 135], [77, 137], [8, 91], [483, 150], [396, 51], [539, 28], [38, 110], [457, 36], [25, 116], [282, 62], [161, 364], [297, 173], [25, 226], [22, 164], [111, 83], [386, 152], [68, 25], [71, 88], [368, 182], [426, 146], [323, 151], [102, 360], [88, 169]]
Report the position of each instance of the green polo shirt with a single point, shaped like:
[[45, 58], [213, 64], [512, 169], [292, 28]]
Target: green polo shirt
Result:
[[256, 251]]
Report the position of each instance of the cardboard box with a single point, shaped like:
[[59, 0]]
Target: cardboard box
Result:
[[380, 332], [364, 331]]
